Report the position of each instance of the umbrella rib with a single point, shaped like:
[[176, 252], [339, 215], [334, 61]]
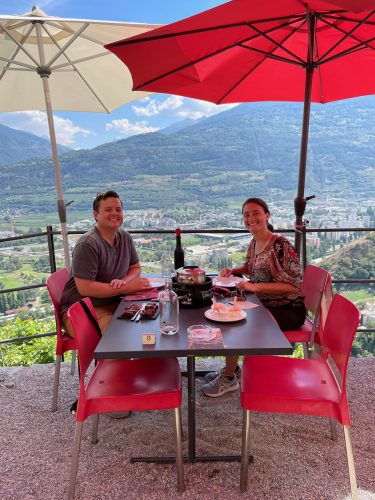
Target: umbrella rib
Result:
[[73, 64], [70, 30], [140, 39], [257, 65], [20, 46], [68, 44], [264, 35], [203, 58], [346, 35], [83, 59], [352, 50]]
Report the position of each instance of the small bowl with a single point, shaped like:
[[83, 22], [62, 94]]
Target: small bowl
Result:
[[200, 332]]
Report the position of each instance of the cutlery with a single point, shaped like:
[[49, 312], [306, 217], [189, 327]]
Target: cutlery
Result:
[[139, 317], [133, 318]]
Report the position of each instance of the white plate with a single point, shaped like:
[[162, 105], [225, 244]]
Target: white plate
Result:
[[156, 282], [225, 318], [231, 281]]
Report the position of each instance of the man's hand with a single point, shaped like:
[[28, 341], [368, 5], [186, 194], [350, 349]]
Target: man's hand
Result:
[[117, 283], [136, 285]]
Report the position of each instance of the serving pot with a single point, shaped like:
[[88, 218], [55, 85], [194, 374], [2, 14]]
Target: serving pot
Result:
[[190, 275], [193, 296]]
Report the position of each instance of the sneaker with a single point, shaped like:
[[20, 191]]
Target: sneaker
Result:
[[219, 386], [119, 414], [209, 377]]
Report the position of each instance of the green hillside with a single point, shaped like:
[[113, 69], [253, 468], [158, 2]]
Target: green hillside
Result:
[[250, 149]]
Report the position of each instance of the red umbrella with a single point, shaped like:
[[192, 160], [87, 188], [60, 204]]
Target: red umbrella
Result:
[[244, 50]]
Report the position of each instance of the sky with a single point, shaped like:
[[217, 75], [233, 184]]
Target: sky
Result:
[[87, 130]]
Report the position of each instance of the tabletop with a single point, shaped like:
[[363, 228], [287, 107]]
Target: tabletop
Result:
[[258, 334]]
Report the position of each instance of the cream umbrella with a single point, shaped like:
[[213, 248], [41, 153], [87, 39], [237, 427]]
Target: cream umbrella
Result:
[[49, 63]]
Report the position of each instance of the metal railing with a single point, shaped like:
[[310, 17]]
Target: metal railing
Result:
[[50, 234]]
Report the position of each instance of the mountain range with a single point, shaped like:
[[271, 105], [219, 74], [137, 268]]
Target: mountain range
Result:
[[16, 146], [250, 150]]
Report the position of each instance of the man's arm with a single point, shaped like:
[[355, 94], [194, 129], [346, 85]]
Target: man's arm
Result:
[[131, 282]]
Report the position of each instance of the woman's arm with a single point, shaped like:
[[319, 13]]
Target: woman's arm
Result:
[[234, 271], [275, 288]]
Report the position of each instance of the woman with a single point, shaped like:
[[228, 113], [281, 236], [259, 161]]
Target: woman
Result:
[[274, 271]]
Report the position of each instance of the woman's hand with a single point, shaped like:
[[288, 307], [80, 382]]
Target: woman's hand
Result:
[[225, 272], [246, 286]]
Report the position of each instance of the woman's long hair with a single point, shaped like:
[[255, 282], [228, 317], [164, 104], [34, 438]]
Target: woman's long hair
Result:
[[263, 204]]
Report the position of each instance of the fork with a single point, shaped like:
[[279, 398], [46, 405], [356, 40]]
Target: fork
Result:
[[133, 318]]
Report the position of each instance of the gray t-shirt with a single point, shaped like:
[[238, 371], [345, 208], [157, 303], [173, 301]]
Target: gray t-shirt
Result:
[[95, 259]]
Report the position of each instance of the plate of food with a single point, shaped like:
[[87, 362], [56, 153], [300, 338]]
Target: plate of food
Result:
[[228, 282], [225, 312]]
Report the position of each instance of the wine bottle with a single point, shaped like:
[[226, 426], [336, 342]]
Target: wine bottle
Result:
[[178, 251]]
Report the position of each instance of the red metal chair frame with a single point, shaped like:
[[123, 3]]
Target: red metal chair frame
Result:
[[314, 283], [304, 386], [55, 286], [119, 385]]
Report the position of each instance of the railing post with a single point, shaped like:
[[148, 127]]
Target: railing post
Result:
[[51, 249]]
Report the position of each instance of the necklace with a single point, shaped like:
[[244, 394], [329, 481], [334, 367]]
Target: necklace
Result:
[[260, 247]]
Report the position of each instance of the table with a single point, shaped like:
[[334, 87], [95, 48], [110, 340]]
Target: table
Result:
[[257, 334]]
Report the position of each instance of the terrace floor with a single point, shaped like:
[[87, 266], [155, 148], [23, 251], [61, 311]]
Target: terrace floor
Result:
[[293, 455]]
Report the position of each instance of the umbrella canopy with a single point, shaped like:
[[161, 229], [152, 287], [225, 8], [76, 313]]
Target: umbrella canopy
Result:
[[245, 50], [49, 63]]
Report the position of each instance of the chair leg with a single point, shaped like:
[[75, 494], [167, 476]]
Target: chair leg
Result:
[[73, 364], [245, 450], [349, 454], [94, 432], [56, 379], [75, 456], [179, 459], [333, 426], [305, 350]]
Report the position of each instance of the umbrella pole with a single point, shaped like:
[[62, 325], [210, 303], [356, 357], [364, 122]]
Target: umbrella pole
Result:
[[44, 72], [56, 167], [300, 200]]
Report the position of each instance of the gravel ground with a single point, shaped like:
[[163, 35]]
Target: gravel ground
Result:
[[293, 455]]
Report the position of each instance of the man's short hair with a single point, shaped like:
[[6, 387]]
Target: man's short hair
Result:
[[104, 196]]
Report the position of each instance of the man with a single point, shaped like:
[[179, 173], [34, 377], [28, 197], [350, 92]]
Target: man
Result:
[[105, 264]]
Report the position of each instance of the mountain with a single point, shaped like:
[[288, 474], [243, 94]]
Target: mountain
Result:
[[252, 149], [177, 126], [356, 260], [16, 146]]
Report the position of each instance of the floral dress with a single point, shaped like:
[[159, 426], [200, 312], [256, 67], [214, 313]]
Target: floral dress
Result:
[[278, 263]]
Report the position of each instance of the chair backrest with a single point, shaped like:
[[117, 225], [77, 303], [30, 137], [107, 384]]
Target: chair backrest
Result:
[[339, 331], [55, 286], [313, 285], [85, 334]]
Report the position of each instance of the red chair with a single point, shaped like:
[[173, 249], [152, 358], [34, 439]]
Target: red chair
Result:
[[313, 286], [55, 286], [119, 385], [304, 386]]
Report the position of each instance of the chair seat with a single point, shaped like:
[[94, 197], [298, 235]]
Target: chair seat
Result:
[[151, 384], [302, 334], [66, 344], [300, 383]]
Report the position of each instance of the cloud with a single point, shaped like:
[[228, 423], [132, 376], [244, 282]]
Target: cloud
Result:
[[179, 106], [36, 123], [126, 129], [155, 107]]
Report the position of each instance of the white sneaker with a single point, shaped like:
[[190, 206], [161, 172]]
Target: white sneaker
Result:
[[220, 386]]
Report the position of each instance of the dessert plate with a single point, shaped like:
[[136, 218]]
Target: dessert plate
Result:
[[230, 281], [226, 317]]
